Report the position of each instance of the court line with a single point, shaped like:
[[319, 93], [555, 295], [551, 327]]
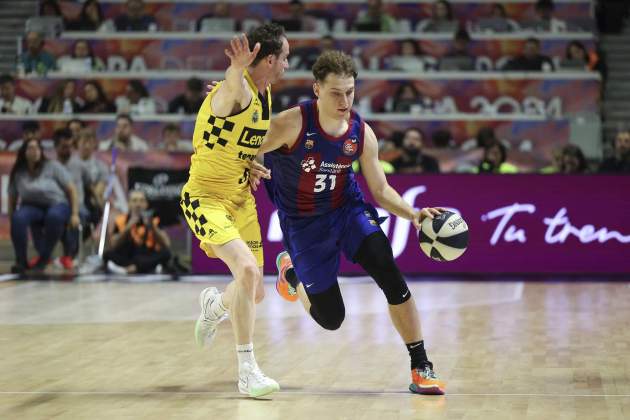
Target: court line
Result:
[[321, 393]]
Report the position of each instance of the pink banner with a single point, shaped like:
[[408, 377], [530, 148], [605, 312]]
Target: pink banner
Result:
[[374, 54], [176, 16], [517, 224]]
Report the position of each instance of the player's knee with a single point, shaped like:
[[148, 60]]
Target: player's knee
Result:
[[330, 320], [248, 276]]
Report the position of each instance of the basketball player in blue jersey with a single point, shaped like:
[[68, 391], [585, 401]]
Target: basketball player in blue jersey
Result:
[[309, 150]]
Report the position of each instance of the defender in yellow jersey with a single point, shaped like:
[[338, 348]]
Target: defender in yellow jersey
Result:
[[217, 201]]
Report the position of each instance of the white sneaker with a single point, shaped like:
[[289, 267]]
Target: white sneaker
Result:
[[253, 382], [206, 326], [116, 269]]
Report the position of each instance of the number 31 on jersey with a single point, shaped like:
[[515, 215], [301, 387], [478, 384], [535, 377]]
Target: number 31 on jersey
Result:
[[321, 182]]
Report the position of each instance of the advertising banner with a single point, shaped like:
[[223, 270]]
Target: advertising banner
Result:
[[517, 224]]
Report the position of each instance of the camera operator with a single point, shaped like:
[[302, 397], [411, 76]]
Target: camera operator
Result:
[[138, 244]]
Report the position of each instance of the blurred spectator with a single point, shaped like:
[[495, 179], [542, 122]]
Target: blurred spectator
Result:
[[50, 8], [572, 160], [459, 57], [136, 100], [135, 19], [63, 100], [442, 19], [328, 43], [412, 160], [485, 137], [190, 101], [47, 202], [620, 162], [409, 57], [30, 131], [124, 139], [219, 20], [374, 19], [96, 101], [94, 200], [577, 55], [81, 179], [442, 139], [545, 22], [172, 139], [35, 59], [531, 59], [494, 160], [498, 21], [297, 21], [90, 18], [75, 126], [10, 103], [407, 98], [138, 244], [83, 50]]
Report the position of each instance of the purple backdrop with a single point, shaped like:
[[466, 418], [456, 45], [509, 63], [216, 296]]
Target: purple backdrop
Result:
[[518, 224]]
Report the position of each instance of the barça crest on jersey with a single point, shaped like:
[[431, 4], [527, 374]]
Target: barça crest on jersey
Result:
[[350, 146], [308, 144], [255, 117]]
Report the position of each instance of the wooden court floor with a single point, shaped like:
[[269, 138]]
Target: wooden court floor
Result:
[[507, 350]]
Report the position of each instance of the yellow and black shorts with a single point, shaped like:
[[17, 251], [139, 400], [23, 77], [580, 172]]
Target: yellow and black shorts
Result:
[[216, 221]]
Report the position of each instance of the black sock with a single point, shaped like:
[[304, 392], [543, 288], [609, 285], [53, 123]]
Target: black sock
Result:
[[418, 355], [291, 277]]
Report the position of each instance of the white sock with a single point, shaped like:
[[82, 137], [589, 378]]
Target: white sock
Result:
[[245, 354], [217, 307]]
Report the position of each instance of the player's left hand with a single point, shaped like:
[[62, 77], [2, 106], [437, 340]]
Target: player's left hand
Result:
[[257, 171], [420, 215]]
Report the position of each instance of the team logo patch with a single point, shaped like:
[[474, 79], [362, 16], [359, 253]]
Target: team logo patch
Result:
[[350, 147], [255, 117], [308, 144], [308, 164]]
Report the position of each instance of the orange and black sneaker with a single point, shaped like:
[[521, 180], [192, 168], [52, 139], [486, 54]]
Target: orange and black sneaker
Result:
[[284, 288], [424, 381]]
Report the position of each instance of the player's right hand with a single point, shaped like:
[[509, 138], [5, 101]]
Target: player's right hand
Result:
[[256, 173], [239, 54]]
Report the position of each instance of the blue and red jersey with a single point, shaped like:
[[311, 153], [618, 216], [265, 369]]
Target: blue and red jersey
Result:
[[315, 176]]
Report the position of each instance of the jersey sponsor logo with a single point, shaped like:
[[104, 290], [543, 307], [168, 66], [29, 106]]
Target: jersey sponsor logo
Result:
[[308, 164], [246, 156], [251, 137], [333, 168], [308, 144], [350, 146]]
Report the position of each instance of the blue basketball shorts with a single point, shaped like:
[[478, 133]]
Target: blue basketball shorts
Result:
[[315, 243]]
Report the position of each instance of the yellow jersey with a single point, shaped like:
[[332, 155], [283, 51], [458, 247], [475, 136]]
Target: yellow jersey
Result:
[[225, 146]]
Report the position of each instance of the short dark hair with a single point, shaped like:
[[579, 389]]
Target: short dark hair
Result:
[[270, 37], [124, 117], [61, 134], [335, 62], [6, 78], [171, 127], [544, 5], [533, 40], [30, 126], [75, 120], [194, 84]]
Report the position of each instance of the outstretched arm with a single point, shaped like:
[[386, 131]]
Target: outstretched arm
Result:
[[233, 94], [383, 193], [283, 131]]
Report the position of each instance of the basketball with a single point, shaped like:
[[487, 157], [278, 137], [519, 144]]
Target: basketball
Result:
[[445, 237]]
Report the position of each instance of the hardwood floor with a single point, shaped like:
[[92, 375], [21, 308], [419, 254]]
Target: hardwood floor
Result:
[[507, 350]]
